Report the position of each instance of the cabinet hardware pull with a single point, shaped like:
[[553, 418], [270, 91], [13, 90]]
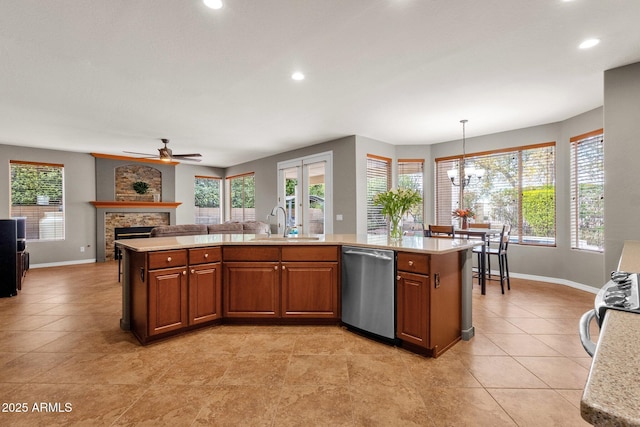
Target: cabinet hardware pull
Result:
[[284, 266], [411, 263], [193, 271], [206, 255], [275, 267], [168, 259], [398, 277], [184, 273], [436, 280]]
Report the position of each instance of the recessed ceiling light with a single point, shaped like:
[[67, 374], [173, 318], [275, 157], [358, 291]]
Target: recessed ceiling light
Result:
[[213, 4], [589, 43], [297, 76]]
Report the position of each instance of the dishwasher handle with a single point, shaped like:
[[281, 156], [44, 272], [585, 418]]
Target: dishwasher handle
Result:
[[369, 254], [585, 334]]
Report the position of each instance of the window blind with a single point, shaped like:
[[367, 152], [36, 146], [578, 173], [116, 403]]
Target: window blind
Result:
[[587, 192], [518, 188], [37, 194], [242, 197], [411, 176], [447, 195], [378, 180]]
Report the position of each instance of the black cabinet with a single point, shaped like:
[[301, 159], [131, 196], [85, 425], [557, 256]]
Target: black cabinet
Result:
[[9, 274]]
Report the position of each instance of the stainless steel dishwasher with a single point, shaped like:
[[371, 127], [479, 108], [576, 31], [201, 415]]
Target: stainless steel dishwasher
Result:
[[368, 290]]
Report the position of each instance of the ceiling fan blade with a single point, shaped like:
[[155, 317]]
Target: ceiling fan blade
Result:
[[184, 157], [142, 154], [187, 155]]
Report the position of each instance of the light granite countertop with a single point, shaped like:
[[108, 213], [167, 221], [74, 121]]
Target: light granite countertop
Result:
[[408, 243], [611, 393]]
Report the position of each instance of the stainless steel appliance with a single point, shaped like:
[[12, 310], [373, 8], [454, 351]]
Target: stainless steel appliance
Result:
[[368, 290], [619, 293]]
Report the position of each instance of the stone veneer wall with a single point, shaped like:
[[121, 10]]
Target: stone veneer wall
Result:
[[126, 175], [113, 220]]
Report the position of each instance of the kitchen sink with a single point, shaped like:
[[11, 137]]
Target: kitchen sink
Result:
[[285, 239]]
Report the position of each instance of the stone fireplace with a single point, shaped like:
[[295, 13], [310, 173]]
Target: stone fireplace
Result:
[[119, 205], [113, 220]]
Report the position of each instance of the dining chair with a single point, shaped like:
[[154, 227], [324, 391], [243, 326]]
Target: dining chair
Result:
[[446, 231], [487, 241], [479, 225], [501, 253]]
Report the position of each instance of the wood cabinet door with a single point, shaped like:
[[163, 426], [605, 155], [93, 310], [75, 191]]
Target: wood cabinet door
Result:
[[412, 308], [205, 293], [445, 302], [167, 300], [251, 289], [310, 290]]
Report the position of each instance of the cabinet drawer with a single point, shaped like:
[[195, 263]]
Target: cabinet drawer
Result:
[[251, 253], [412, 262], [309, 253], [166, 259], [204, 255]]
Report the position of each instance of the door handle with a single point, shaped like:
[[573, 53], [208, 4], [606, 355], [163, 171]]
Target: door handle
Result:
[[385, 258]]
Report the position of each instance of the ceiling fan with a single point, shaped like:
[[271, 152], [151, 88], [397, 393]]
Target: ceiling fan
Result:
[[167, 155]]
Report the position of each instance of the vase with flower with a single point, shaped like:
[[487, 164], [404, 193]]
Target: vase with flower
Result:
[[464, 215], [396, 203]]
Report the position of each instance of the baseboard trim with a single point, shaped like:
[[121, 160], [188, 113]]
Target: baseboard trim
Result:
[[59, 264], [556, 280]]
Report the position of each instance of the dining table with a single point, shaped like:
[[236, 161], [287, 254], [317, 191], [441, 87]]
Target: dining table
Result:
[[485, 234]]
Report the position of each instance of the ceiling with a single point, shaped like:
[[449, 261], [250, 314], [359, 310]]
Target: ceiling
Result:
[[110, 76]]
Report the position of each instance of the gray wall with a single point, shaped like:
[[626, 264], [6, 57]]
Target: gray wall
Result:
[[560, 262], [621, 111], [344, 180], [80, 215], [184, 188], [622, 155], [105, 172]]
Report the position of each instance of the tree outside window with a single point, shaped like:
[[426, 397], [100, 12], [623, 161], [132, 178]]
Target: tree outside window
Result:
[[518, 188], [37, 194], [242, 197], [207, 200], [587, 191]]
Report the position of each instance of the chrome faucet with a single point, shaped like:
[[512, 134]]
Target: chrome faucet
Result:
[[274, 212]]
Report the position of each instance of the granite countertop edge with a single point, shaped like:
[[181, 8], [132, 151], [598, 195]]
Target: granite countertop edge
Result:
[[613, 387], [408, 243], [610, 394]]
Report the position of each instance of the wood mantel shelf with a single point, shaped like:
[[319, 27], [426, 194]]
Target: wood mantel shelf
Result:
[[133, 204]]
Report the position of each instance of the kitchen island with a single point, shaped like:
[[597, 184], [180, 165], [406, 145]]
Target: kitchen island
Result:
[[175, 284]]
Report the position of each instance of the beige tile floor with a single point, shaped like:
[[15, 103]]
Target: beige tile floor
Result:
[[60, 343]]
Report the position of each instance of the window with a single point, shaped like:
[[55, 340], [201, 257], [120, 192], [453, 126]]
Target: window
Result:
[[518, 188], [378, 180], [241, 190], [207, 200], [411, 176], [37, 191], [587, 191]]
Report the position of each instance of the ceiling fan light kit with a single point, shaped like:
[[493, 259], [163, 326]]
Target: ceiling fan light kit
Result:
[[166, 154]]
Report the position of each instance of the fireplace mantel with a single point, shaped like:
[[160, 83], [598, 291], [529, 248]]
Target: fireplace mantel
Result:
[[134, 204]]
